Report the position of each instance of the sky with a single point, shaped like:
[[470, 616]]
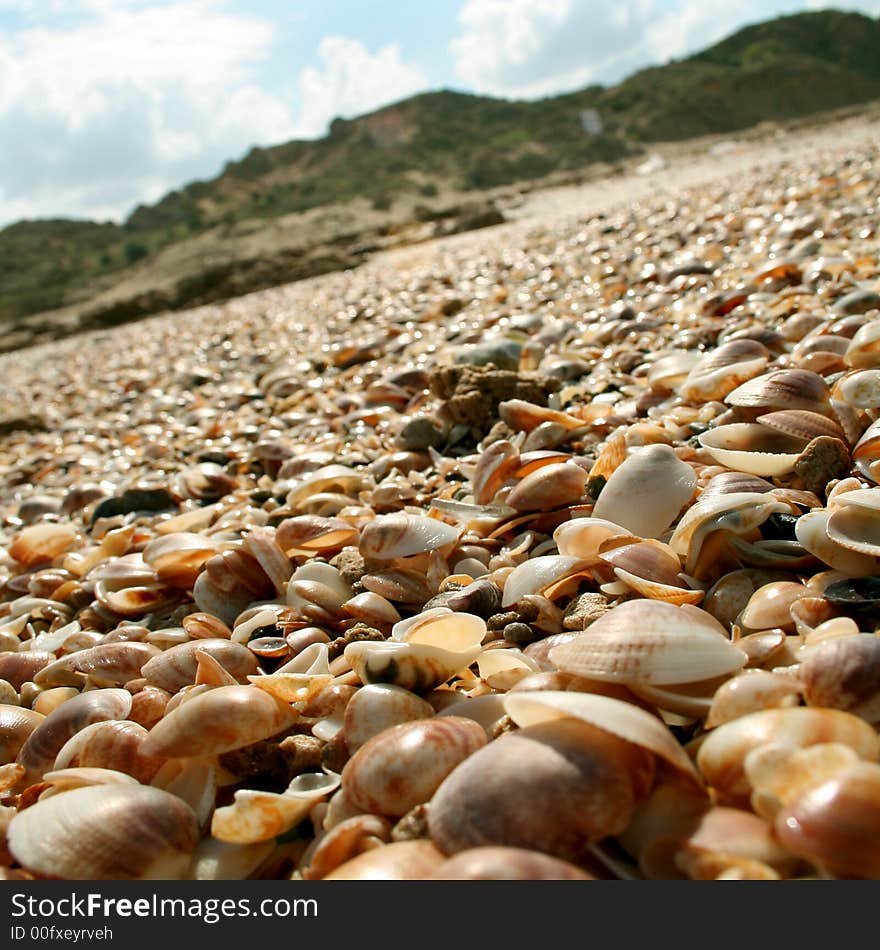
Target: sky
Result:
[[106, 104]]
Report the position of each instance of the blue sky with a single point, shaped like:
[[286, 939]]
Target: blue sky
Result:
[[105, 104]]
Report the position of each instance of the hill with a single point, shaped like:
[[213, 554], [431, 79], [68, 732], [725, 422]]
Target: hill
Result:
[[427, 165]]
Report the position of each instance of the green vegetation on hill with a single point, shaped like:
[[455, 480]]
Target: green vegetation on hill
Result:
[[781, 69]]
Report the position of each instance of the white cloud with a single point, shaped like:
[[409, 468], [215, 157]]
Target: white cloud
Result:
[[352, 81], [531, 48], [128, 103]]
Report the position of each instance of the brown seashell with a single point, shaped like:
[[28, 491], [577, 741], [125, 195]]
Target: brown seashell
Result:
[[554, 787], [398, 861], [16, 724], [495, 863], [220, 720], [551, 486], [112, 744], [18, 668], [41, 543], [783, 389], [836, 824], [378, 706], [119, 832], [176, 667], [844, 674], [346, 840], [402, 766], [495, 466], [108, 664], [38, 753]]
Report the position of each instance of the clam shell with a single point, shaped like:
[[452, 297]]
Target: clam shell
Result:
[[222, 719], [176, 667], [650, 643], [16, 725], [782, 389], [647, 491], [378, 706], [400, 535], [397, 861], [507, 864], [403, 766], [551, 486], [105, 832], [752, 448], [108, 664]]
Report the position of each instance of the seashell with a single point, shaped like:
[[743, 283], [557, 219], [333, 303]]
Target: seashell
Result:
[[751, 691], [538, 574], [299, 680], [176, 667], [406, 587], [651, 643], [205, 626], [652, 570], [16, 725], [721, 755], [844, 674], [40, 749], [864, 348], [378, 706], [696, 536], [261, 544], [770, 605], [524, 416], [397, 861], [105, 832], [215, 860], [836, 824], [647, 491], [41, 543], [495, 466], [19, 668], [178, 557], [866, 452], [622, 719], [219, 720], [854, 521], [424, 651], [108, 664], [488, 710], [782, 389], [402, 535], [551, 486], [802, 424], [556, 787], [344, 841], [50, 699], [148, 706], [138, 600], [583, 537], [256, 816], [729, 482], [308, 533], [507, 864], [752, 448], [721, 370], [329, 478], [111, 744], [403, 765], [811, 530], [193, 780]]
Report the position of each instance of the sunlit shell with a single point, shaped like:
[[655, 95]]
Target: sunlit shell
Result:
[[378, 706], [723, 369], [256, 816], [551, 486], [802, 424], [42, 543], [770, 605], [106, 832], [582, 537], [176, 667], [537, 574], [314, 533], [178, 557], [751, 691], [736, 512], [844, 674], [811, 530], [782, 389], [721, 755], [219, 720], [837, 823], [215, 860], [402, 766], [854, 521], [108, 664], [16, 724], [864, 348], [507, 864], [652, 570], [653, 643], [112, 744], [401, 535], [397, 861], [647, 491], [38, 752], [326, 479], [752, 448]]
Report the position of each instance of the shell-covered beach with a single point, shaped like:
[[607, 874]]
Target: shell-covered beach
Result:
[[546, 551]]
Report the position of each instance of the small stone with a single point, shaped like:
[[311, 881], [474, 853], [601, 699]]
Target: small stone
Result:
[[301, 754], [360, 631], [350, 564], [521, 633], [584, 610], [419, 434], [413, 825], [824, 459]]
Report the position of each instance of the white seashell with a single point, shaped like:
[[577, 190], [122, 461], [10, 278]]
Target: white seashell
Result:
[[401, 535], [651, 643], [378, 706], [582, 537], [216, 860], [752, 448], [536, 574], [811, 530], [647, 491]]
